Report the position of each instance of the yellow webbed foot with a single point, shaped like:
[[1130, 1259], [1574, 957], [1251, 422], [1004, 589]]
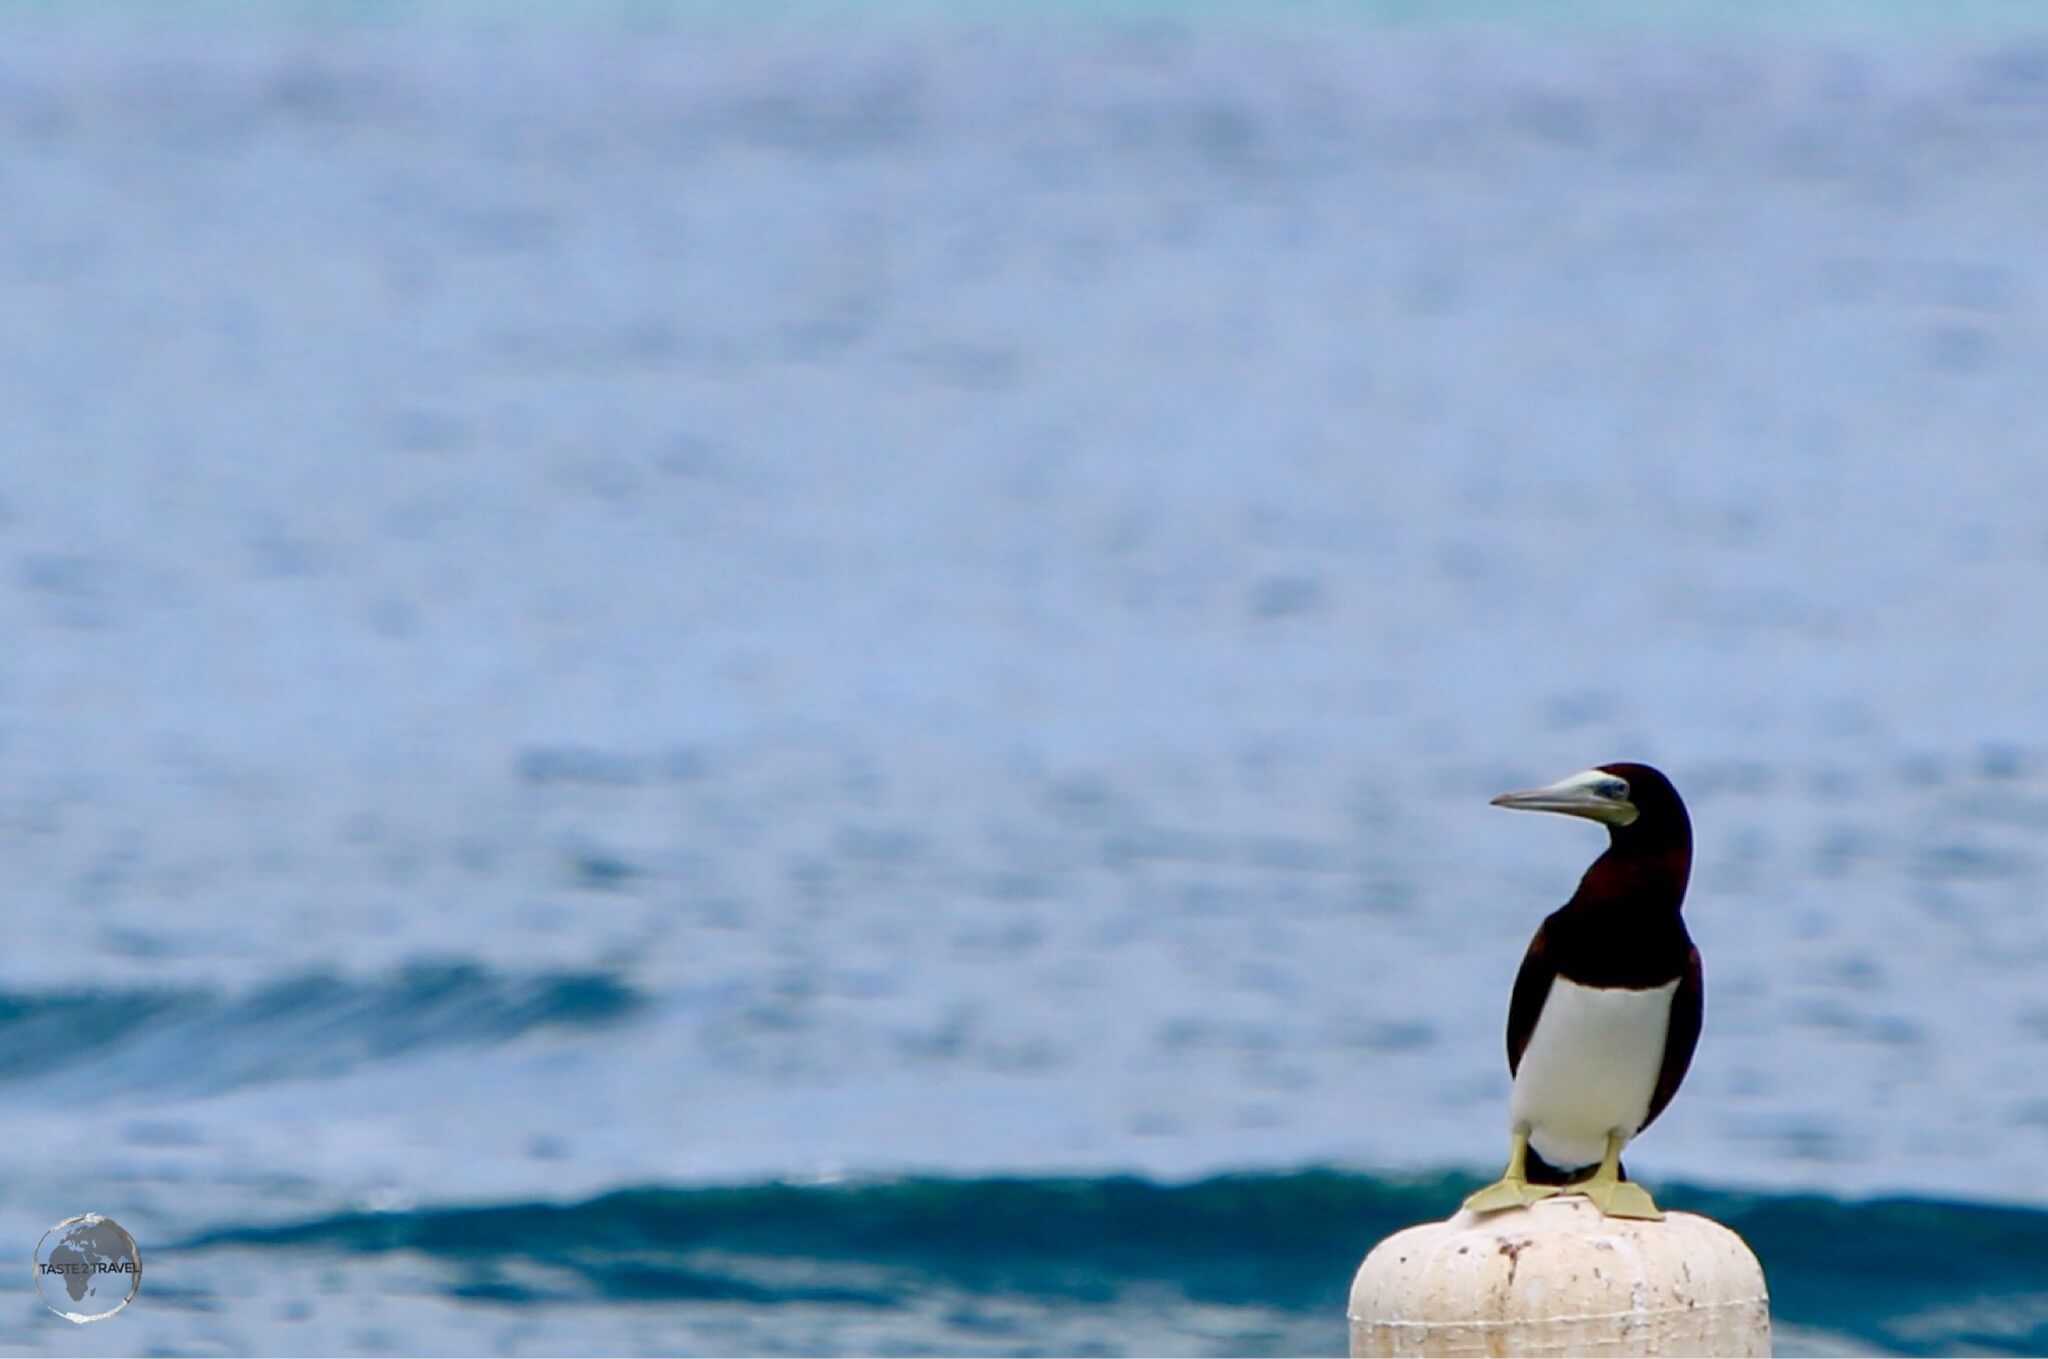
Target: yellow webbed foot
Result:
[[1505, 1193], [1512, 1189], [1615, 1196], [1621, 1198]]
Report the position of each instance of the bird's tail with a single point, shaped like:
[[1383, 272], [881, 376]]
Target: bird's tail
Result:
[[1541, 1171]]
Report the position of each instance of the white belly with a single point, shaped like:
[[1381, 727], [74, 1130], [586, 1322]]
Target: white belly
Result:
[[1589, 1069]]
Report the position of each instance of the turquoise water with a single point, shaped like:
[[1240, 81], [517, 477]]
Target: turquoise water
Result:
[[1255, 1264]]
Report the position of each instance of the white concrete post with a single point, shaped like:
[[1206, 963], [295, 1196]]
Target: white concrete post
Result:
[[1561, 1278]]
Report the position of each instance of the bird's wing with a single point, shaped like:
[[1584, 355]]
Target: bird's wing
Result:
[[1532, 988], [1688, 1005]]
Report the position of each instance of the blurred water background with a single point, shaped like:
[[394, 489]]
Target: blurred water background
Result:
[[764, 678]]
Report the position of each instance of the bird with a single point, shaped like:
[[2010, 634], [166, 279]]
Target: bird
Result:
[[1606, 1010]]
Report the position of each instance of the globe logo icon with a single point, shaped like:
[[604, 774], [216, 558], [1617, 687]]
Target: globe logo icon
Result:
[[87, 1268]]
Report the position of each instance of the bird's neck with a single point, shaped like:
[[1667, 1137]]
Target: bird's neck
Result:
[[1623, 926], [1637, 877]]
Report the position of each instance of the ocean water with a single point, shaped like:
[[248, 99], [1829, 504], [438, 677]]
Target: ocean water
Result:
[[823, 679]]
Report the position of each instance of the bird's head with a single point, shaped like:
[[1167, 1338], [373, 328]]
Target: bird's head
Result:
[[1631, 800]]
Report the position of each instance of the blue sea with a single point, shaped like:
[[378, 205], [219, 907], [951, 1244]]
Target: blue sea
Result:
[[822, 678]]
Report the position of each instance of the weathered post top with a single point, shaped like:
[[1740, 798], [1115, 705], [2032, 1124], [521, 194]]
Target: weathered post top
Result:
[[1558, 1278]]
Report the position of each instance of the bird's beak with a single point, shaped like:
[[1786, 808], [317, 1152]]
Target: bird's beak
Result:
[[1596, 795]]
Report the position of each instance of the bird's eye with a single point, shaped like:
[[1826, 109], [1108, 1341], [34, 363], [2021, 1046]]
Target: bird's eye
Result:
[[1614, 788]]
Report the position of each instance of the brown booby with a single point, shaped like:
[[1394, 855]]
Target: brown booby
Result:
[[1606, 1009]]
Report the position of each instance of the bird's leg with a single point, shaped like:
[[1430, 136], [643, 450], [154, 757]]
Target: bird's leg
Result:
[[1613, 1195], [1512, 1189]]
